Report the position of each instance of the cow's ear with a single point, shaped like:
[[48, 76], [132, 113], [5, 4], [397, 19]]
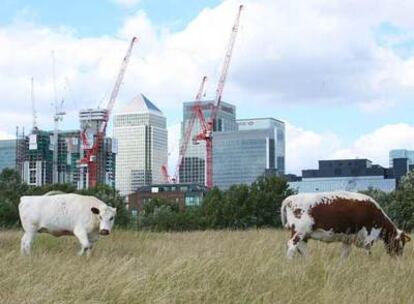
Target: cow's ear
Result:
[[95, 210], [406, 237], [114, 209]]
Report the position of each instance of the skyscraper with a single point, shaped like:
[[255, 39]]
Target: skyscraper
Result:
[[193, 169], [256, 149], [7, 154], [142, 137]]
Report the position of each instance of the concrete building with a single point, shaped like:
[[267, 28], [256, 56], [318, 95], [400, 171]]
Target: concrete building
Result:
[[142, 137], [345, 174], [193, 168], [241, 156], [7, 154]]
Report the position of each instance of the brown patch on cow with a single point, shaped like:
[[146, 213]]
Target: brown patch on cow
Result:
[[349, 216], [297, 213], [296, 239]]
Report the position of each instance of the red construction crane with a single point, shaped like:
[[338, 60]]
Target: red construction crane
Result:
[[206, 133], [188, 130], [91, 152]]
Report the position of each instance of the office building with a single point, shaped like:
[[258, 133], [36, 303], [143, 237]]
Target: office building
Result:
[[7, 154], [142, 139], [193, 167], [255, 149], [345, 174]]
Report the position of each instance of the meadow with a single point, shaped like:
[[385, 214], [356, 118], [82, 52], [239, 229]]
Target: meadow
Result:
[[199, 267]]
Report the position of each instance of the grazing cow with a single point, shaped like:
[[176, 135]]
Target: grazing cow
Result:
[[65, 214], [347, 217]]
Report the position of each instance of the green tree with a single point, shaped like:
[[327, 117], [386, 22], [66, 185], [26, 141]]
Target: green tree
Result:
[[266, 195], [401, 209], [11, 189]]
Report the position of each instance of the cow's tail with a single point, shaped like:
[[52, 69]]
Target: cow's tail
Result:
[[283, 215], [54, 192]]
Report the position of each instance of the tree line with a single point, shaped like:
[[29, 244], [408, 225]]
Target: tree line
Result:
[[239, 207]]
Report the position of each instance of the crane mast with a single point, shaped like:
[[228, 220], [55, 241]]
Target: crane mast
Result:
[[90, 158], [187, 136], [206, 133]]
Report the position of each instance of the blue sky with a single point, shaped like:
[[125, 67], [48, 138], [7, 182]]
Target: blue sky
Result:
[[343, 82], [100, 17]]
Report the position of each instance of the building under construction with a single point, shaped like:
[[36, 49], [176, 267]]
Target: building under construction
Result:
[[91, 121], [34, 158]]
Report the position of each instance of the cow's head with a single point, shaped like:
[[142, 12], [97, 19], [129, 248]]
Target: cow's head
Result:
[[396, 244], [106, 218]]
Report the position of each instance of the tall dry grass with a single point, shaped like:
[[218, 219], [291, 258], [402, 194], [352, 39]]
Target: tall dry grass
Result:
[[199, 267]]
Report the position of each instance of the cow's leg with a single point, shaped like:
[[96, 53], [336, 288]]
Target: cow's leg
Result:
[[83, 240], [26, 242], [296, 245], [346, 249], [368, 247], [93, 237]]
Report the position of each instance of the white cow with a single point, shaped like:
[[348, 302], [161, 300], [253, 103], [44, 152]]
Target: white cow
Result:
[[65, 214]]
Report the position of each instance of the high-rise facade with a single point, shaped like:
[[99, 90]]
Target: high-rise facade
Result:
[[142, 139], [36, 154], [255, 149], [193, 166], [7, 154]]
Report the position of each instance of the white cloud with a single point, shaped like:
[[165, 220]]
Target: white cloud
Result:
[[305, 147], [174, 132], [286, 53], [377, 144]]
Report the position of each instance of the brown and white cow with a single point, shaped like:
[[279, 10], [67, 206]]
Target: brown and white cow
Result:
[[347, 217]]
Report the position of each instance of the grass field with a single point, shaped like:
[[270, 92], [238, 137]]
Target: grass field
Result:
[[199, 267]]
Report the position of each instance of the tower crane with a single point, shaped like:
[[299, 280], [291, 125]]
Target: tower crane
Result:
[[207, 126], [58, 116], [187, 135], [91, 151]]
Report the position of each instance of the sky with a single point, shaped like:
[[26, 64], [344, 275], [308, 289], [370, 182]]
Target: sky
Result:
[[339, 73]]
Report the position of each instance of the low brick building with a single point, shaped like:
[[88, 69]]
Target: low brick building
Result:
[[183, 194]]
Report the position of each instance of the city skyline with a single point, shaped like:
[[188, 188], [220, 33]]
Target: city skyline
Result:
[[342, 82]]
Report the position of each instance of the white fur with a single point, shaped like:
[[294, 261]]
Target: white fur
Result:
[[64, 213]]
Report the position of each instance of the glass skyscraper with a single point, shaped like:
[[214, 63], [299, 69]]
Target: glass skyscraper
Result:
[[142, 137], [241, 156], [7, 154], [193, 168]]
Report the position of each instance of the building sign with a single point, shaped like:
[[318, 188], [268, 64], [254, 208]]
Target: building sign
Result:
[[32, 142]]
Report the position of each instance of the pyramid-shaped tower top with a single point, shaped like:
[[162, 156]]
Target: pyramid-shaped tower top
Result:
[[140, 104]]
